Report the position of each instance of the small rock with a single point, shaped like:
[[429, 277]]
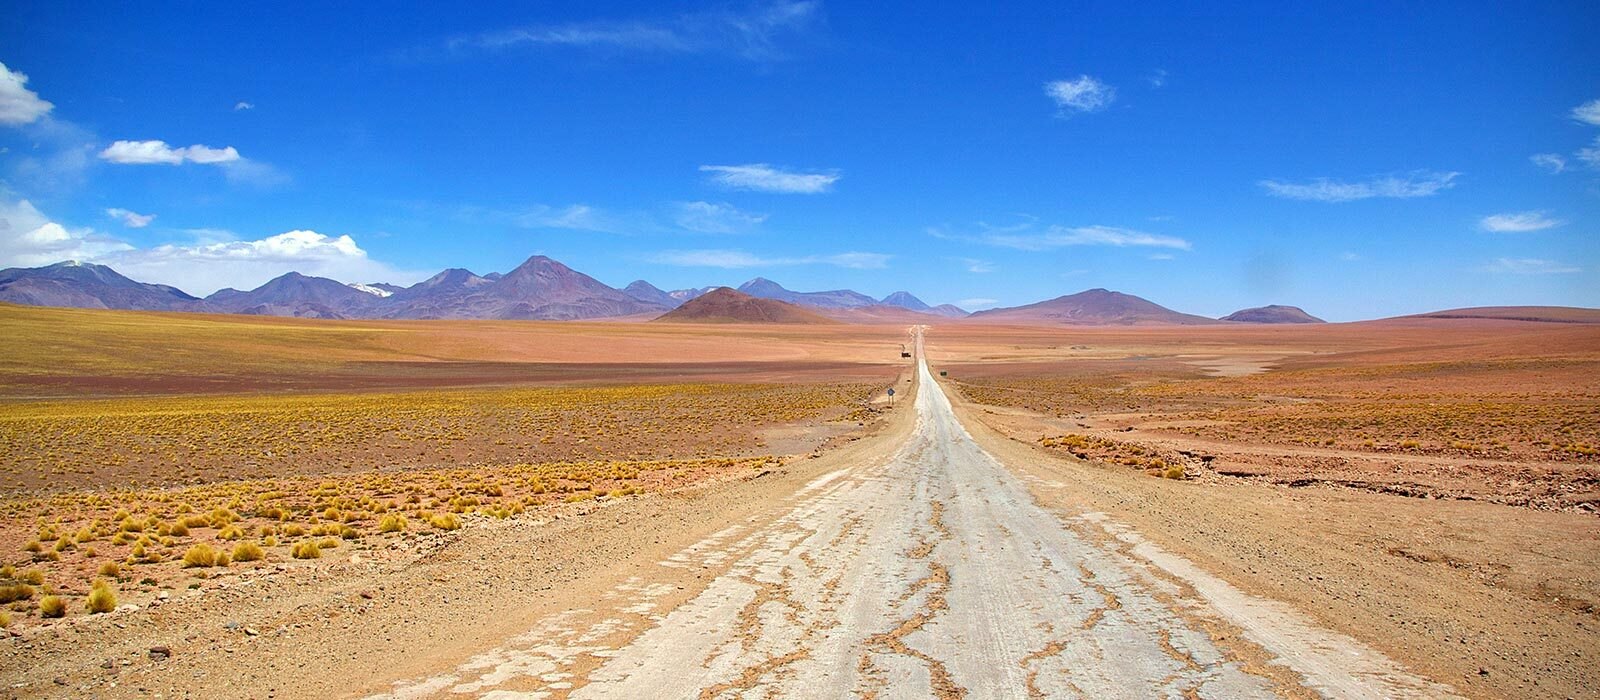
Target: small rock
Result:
[[163, 595], [160, 653], [231, 625], [250, 632], [367, 595], [61, 680]]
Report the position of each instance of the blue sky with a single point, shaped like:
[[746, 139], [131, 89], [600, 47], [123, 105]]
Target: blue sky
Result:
[[1357, 160]]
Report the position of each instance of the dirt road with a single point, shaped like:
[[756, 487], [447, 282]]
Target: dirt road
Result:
[[930, 574]]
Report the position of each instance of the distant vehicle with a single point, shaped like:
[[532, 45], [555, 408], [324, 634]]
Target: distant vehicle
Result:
[[903, 352]]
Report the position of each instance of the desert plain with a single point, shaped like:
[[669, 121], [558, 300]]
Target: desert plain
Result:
[[287, 507]]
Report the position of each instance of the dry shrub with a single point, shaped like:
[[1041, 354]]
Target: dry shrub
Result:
[[306, 550], [52, 606], [445, 521], [12, 592], [247, 551], [392, 523], [101, 598], [110, 569], [200, 555]]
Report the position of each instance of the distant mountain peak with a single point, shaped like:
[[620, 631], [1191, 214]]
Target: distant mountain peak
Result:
[[905, 300]]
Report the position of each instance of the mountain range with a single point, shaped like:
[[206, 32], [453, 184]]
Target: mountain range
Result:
[[542, 288]]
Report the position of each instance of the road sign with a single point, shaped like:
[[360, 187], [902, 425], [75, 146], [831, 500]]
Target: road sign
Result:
[[891, 396], [891, 391]]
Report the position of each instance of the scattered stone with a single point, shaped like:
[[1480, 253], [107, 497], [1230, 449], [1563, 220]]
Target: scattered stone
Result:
[[160, 653], [250, 632], [231, 625]]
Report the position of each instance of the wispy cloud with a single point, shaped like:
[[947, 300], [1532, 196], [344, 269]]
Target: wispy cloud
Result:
[[1552, 162], [243, 106], [1082, 94], [576, 217], [975, 265], [159, 153], [1419, 183], [1157, 78], [130, 219], [758, 33], [762, 177], [1518, 222], [1590, 154], [1065, 236], [18, 104], [738, 259], [1588, 112], [976, 303], [1349, 256], [715, 217], [1530, 266], [1028, 235]]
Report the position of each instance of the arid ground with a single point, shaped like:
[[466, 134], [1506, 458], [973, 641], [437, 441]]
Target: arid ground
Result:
[[291, 508]]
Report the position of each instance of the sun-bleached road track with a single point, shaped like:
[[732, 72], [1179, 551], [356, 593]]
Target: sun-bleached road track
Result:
[[933, 574]]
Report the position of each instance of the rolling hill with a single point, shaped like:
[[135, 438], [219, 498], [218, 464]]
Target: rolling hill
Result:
[[1272, 313], [1094, 307], [727, 305]]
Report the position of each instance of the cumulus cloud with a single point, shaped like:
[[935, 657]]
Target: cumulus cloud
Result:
[[1530, 266], [1420, 183], [762, 177], [130, 219], [1518, 222], [159, 153], [1552, 162], [18, 104], [243, 106], [738, 259], [1588, 112], [1083, 94], [715, 217], [205, 267], [755, 33], [29, 238]]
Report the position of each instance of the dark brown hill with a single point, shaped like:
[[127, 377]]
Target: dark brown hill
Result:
[[727, 305]]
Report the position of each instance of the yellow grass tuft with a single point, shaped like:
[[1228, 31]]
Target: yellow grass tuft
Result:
[[200, 555], [52, 606], [247, 551], [101, 598], [306, 550]]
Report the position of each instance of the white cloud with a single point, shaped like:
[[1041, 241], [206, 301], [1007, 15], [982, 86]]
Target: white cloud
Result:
[[754, 34], [1084, 94], [159, 153], [1064, 236], [18, 104], [242, 106], [576, 217], [1420, 183], [715, 217], [1588, 112], [762, 177], [737, 259], [1162, 256], [203, 268], [1552, 162], [1157, 78], [975, 265], [130, 219], [1530, 266], [28, 238], [1591, 154], [1518, 222], [976, 303], [1349, 256]]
